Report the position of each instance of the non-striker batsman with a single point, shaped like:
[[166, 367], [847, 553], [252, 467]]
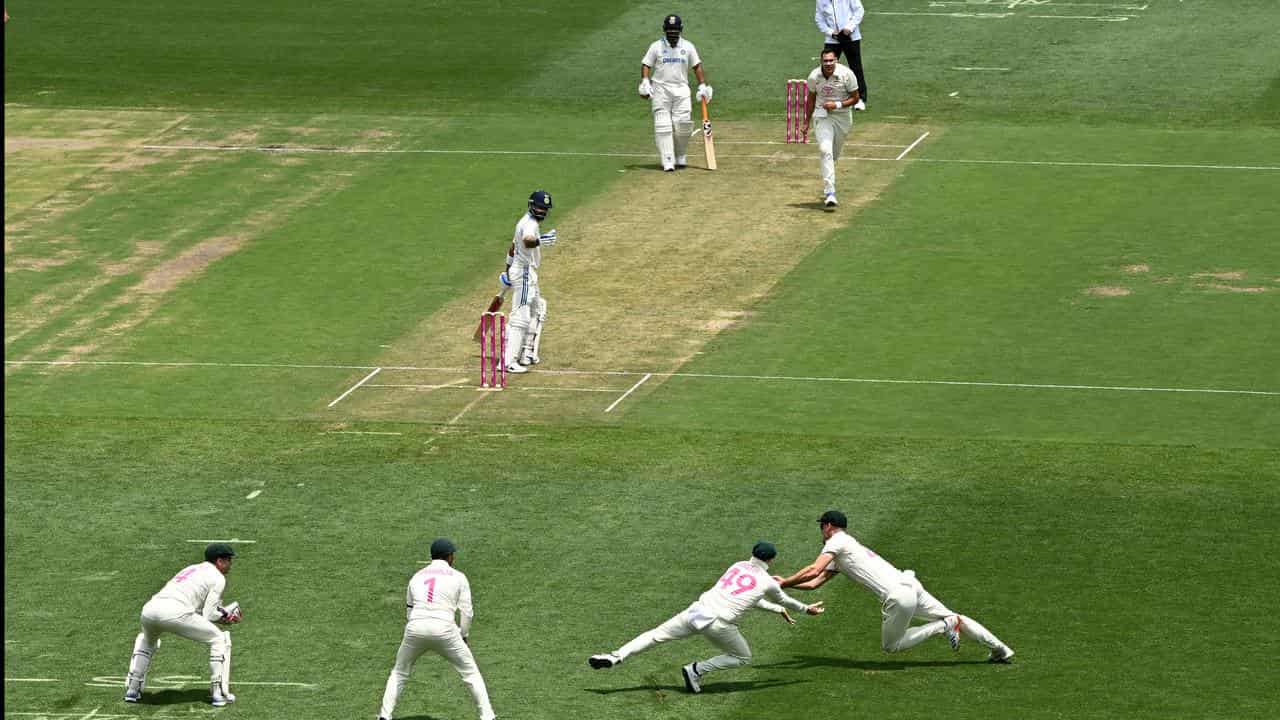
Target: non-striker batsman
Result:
[[664, 81]]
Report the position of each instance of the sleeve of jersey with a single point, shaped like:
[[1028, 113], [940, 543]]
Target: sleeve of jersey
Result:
[[775, 592], [650, 57], [465, 612], [213, 600], [694, 58]]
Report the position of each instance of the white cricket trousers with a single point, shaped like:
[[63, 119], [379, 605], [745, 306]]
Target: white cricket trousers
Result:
[[831, 131], [672, 122], [168, 616], [443, 638], [526, 309], [910, 600], [724, 635]]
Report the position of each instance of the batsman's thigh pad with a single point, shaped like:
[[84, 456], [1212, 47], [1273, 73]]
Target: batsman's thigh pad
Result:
[[521, 317], [682, 113]]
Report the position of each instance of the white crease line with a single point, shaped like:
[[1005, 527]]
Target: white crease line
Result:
[[470, 405], [359, 432], [253, 495], [451, 386], [774, 157], [35, 680], [232, 540], [780, 142], [980, 69], [634, 373], [625, 394], [912, 146], [352, 389]]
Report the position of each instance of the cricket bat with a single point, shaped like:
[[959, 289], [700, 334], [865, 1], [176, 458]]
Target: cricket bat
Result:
[[494, 305], [708, 142]]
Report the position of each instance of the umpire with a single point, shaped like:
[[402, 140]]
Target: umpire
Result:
[[841, 21]]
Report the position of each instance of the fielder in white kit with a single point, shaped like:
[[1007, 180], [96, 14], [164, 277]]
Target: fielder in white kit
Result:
[[715, 616], [901, 595], [664, 81], [833, 89], [528, 308], [437, 595], [187, 606]]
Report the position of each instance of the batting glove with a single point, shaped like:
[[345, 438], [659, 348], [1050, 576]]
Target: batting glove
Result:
[[704, 92], [548, 238], [506, 281], [646, 88]]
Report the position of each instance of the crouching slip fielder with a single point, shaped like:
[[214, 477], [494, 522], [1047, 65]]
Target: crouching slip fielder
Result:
[[833, 89], [901, 595], [437, 594], [187, 606], [528, 309], [715, 615], [664, 81]]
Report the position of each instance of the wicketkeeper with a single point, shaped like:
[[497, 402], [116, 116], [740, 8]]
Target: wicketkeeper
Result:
[[528, 308], [437, 595], [744, 586], [664, 81], [189, 605]]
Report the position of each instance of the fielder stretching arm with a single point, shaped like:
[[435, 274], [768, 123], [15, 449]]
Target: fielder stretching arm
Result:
[[813, 570]]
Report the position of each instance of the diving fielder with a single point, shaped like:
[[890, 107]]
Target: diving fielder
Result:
[[437, 595], [833, 89], [664, 81], [901, 595], [715, 616], [528, 309], [188, 605]]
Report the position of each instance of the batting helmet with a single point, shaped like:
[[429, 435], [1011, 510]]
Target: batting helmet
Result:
[[672, 22], [540, 204]]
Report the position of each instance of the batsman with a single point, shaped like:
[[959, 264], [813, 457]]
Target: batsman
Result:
[[664, 81], [528, 308]]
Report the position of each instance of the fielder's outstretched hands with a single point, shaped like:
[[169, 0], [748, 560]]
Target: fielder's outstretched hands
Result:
[[816, 608], [646, 88], [787, 616], [704, 92]]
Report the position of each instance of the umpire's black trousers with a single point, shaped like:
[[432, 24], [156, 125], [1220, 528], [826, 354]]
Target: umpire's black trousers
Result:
[[853, 57]]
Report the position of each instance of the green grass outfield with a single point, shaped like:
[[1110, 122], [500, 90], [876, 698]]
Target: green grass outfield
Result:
[[1033, 356]]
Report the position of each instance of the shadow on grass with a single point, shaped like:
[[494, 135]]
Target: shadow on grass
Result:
[[815, 205], [175, 696], [711, 688], [804, 662], [417, 717]]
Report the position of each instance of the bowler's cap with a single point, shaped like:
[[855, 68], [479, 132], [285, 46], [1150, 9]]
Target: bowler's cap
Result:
[[764, 550], [835, 517], [218, 550], [442, 548]]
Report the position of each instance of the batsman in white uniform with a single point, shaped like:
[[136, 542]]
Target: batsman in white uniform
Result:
[[437, 595], [528, 308], [187, 606], [902, 597], [664, 81], [715, 616], [833, 89]]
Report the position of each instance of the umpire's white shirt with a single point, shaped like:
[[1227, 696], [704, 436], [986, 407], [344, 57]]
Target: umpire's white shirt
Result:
[[832, 16], [526, 257], [196, 588], [671, 65], [438, 592], [743, 586], [862, 565]]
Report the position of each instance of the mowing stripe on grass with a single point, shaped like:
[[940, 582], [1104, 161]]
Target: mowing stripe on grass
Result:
[[774, 157], [715, 376]]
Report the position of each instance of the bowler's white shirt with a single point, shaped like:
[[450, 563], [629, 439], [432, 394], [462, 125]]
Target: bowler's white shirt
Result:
[[832, 16], [743, 586], [862, 565], [196, 587], [437, 591], [526, 257], [839, 87], [671, 65]]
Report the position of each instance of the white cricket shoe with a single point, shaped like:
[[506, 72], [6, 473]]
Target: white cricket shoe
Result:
[[219, 699], [691, 678], [604, 661], [132, 696], [951, 628], [831, 200], [860, 105], [517, 368], [1002, 655], [682, 161]]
